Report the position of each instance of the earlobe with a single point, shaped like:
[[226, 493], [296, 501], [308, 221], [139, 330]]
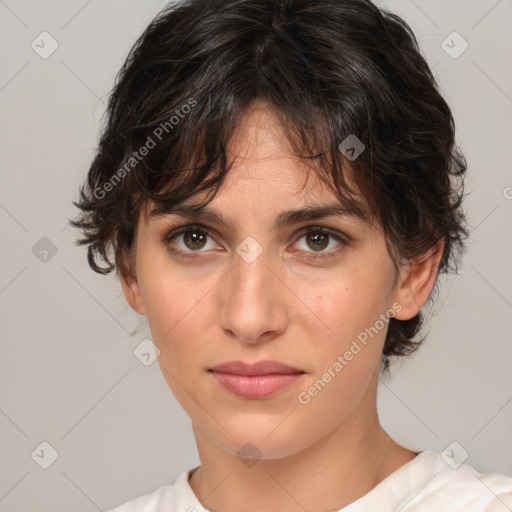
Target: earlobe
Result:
[[416, 282], [131, 291]]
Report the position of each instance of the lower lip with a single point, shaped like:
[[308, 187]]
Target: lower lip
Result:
[[256, 386]]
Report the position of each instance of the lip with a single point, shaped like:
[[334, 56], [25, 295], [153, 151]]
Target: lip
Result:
[[258, 380]]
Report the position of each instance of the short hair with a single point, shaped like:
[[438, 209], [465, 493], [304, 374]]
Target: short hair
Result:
[[328, 69]]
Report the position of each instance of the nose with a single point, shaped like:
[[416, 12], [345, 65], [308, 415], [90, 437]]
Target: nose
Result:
[[253, 299]]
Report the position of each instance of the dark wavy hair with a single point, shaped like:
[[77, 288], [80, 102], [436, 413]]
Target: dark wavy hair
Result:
[[327, 69]]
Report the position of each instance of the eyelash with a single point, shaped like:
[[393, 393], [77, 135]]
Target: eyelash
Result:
[[342, 239]]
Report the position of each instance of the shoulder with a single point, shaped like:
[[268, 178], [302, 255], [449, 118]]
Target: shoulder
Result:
[[161, 497], [452, 486], [169, 498]]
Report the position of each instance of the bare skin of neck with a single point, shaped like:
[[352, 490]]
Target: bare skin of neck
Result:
[[326, 477]]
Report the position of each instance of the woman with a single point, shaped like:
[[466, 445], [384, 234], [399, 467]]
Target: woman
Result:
[[278, 188]]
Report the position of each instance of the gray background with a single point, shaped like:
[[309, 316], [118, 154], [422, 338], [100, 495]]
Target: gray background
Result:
[[68, 373]]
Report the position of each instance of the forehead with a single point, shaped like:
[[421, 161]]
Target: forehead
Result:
[[231, 207], [266, 176], [259, 135]]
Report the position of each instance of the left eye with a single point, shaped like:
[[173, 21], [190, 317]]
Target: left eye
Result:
[[194, 238], [319, 239]]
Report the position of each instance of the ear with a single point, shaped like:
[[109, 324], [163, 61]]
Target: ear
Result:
[[131, 291], [417, 280]]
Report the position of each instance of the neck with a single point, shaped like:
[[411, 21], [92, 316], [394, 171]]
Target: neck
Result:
[[335, 471]]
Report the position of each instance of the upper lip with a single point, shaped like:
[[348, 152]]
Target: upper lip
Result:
[[259, 368]]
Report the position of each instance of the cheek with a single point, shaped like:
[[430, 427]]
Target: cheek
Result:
[[344, 304], [349, 333], [174, 310], [172, 298], [335, 396]]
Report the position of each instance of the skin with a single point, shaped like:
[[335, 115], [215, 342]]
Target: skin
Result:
[[283, 306]]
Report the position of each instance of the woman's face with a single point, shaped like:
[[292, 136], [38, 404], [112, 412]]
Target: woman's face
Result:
[[253, 291]]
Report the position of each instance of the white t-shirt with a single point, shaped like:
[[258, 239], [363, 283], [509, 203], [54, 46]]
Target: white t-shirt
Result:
[[425, 484]]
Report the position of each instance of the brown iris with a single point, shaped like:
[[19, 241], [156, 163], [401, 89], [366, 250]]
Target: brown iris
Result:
[[319, 240], [197, 239]]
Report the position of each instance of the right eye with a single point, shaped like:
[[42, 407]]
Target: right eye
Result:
[[193, 238]]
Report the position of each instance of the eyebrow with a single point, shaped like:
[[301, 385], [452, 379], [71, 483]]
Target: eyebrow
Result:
[[288, 217]]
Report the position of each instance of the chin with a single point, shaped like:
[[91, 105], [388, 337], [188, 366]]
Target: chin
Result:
[[259, 440]]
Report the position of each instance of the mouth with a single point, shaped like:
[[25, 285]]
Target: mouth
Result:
[[255, 381], [259, 368]]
